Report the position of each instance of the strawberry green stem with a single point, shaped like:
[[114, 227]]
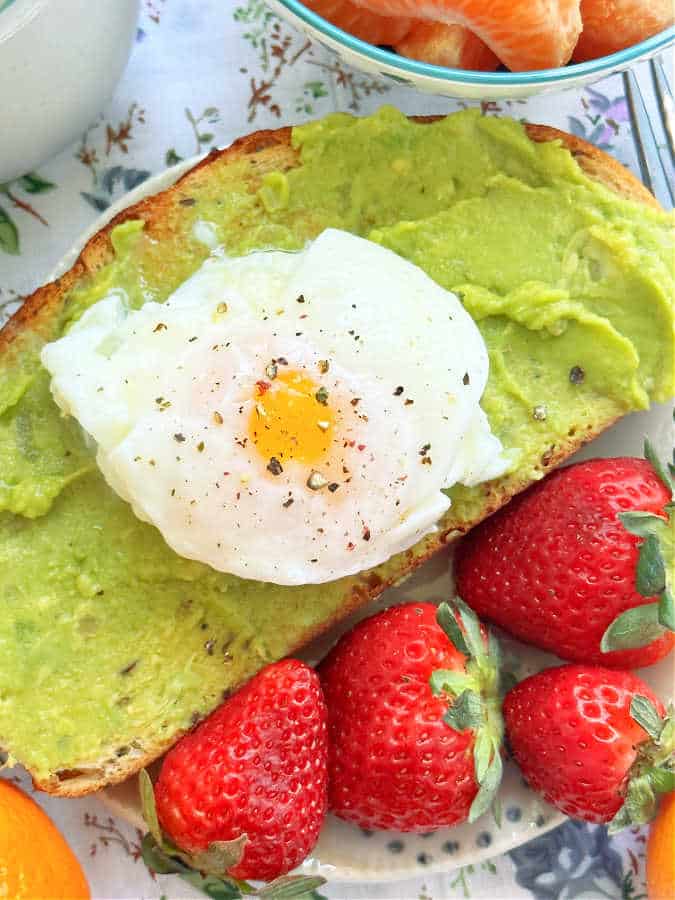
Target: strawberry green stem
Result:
[[653, 771], [475, 695]]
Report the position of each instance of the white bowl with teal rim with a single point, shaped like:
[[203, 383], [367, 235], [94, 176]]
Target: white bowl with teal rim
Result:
[[59, 63], [459, 82]]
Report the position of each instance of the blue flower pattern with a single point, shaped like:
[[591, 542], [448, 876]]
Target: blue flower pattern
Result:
[[574, 860]]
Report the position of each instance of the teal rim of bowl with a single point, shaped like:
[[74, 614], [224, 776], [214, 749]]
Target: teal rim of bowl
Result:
[[604, 64]]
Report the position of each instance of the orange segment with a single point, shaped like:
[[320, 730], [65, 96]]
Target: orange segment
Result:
[[35, 861], [447, 45], [363, 24], [661, 852], [612, 25], [524, 34]]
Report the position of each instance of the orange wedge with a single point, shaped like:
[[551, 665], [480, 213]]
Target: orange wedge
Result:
[[362, 23], [661, 852], [447, 45], [524, 34], [35, 861], [611, 25]]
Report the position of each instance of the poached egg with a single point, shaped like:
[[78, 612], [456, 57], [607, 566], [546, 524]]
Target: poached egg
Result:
[[285, 417]]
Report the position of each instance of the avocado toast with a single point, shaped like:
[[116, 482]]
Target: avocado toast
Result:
[[112, 645]]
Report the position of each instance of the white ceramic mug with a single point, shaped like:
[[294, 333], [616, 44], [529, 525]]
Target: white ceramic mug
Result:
[[59, 63]]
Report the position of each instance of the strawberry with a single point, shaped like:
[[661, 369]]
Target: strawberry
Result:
[[581, 563], [414, 719], [593, 741], [244, 794]]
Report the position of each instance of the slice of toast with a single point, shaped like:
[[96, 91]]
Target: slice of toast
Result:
[[41, 319]]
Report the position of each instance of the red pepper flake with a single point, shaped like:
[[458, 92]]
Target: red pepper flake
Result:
[[366, 534], [262, 387], [355, 401], [350, 546], [361, 447]]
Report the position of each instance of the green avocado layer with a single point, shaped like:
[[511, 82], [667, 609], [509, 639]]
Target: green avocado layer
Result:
[[106, 634]]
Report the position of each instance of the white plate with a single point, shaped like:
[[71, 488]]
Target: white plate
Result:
[[346, 853]]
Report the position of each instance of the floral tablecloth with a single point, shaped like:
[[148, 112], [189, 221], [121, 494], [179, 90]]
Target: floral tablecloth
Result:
[[202, 73]]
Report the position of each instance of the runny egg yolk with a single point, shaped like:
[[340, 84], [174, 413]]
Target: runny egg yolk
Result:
[[292, 418]]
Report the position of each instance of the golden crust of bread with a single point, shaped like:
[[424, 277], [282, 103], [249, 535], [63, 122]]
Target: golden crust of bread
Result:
[[272, 151]]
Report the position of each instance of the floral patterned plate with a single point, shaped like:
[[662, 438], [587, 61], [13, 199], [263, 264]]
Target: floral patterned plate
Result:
[[346, 853]]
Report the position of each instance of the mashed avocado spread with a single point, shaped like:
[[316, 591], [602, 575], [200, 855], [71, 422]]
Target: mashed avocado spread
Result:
[[105, 634]]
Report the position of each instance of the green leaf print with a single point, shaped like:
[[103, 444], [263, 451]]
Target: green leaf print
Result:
[[9, 236], [33, 183]]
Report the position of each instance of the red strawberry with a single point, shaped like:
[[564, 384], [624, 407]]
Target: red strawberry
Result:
[[414, 722], [593, 741], [255, 767], [558, 569]]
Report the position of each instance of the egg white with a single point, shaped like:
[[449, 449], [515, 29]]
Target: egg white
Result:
[[167, 392]]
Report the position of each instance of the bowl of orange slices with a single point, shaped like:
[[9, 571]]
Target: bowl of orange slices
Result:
[[487, 49]]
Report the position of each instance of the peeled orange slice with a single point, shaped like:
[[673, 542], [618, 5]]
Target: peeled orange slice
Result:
[[611, 25], [661, 852], [524, 34], [35, 861], [447, 45], [362, 23]]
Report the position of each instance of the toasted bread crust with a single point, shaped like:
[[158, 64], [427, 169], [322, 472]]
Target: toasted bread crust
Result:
[[272, 150]]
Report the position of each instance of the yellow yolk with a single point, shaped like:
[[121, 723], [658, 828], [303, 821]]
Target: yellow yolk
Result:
[[292, 418]]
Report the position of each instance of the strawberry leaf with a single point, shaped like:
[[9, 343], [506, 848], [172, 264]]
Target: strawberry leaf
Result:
[[466, 712], [148, 809], [652, 773], [662, 780], [643, 711], [650, 575], [482, 754], [488, 789], [445, 681], [288, 887], [661, 470], [291, 887], [636, 627], [218, 857], [446, 619], [667, 610], [472, 631], [640, 523], [160, 862]]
